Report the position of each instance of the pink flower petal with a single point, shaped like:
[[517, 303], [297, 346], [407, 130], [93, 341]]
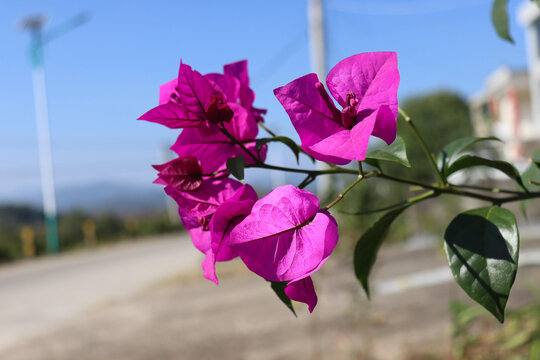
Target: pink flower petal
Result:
[[213, 148], [200, 238], [348, 144], [182, 173], [311, 114], [209, 267], [285, 237], [243, 125], [226, 84], [372, 77], [172, 115], [226, 217], [168, 92], [303, 291], [385, 126], [194, 90], [205, 200], [239, 70]]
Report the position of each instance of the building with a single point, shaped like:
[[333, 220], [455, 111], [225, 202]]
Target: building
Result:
[[509, 107]]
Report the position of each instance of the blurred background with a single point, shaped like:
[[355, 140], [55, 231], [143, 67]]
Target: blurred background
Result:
[[93, 261]]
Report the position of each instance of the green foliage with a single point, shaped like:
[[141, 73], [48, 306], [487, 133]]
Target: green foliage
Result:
[[476, 338], [440, 117], [284, 140], [530, 175], [19, 214], [482, 248], [449, 153], [70, 231], [279, 290], [396, 152], [108, 228], [499, 17], [468, 161], [367, 247], [236, 165]]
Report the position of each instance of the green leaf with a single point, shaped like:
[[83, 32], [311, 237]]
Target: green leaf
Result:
[[236, 165], [537, 2], [373, 162], [284, 140], [279, 289], [449, 153], [468, 161], [482, 249], [531, 173], [499, 17], [367, 247], [395, 152]]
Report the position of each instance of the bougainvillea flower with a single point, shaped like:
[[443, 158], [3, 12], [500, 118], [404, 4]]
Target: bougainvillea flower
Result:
[[200, 236], [213, 148], [168, 92], [365, 85], [204, 201], [285, 237], [303, 291], [173, 116], [183, 173], [226, 217], [193, 100], [246, 96]]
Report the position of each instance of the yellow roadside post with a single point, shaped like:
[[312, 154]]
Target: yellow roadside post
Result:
[[28, 236], [89, 231]]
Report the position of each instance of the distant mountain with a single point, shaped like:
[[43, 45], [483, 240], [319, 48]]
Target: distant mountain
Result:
[[101, 197]]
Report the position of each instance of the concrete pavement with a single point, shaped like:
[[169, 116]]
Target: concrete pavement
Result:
[[37, 295]]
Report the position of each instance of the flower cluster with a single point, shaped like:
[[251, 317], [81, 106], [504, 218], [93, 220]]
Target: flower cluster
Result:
[[285, 236]]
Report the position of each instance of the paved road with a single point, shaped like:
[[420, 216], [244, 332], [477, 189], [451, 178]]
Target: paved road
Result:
[[60, 308], [36, 296]]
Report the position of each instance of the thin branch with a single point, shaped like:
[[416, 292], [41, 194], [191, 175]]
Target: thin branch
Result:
[[428, 153]]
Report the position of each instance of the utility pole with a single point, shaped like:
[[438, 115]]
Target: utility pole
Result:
[[318, 64], [34, 25], [317, 37]]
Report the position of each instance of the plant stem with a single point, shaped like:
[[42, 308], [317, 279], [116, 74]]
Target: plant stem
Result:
[[428, 153], [435, 190], [342, 194], [482, 188], [337, 170], [365, 212], [273, 134], [239, 143], [424, 196]]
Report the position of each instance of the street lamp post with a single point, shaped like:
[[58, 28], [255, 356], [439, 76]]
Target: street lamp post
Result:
[[35, 24]]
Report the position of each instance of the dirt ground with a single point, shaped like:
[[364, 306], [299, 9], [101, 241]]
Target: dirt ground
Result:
[[187, 317]]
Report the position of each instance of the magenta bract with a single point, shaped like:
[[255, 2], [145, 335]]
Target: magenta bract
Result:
[[205, 200], [213, 148], [193, 98], [285, 237], [246, 96], [168, 92], [182, 173], [365, 85], [302, 290], [200, 236], [171, 115], [227, 216]]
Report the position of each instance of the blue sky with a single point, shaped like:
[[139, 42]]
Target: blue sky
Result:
[[103, 75]]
